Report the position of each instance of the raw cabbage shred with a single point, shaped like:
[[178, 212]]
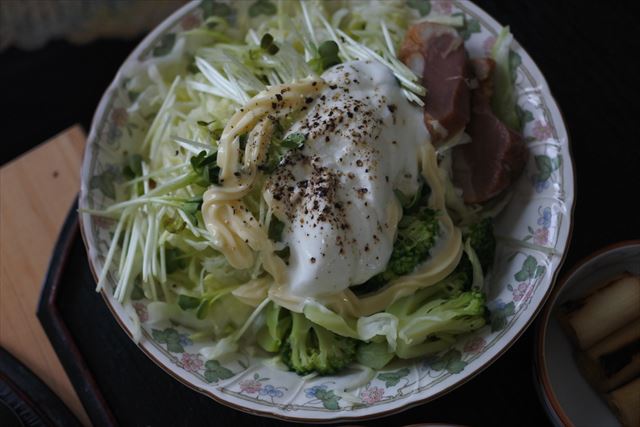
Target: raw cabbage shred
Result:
[[162, 252]]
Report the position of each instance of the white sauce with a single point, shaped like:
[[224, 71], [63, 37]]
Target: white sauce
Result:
[[336, 195]]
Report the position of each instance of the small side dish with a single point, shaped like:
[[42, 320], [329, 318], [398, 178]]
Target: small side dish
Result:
[[604, 327]]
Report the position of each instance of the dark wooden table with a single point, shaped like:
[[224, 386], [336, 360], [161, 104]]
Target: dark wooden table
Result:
[[588, 51]]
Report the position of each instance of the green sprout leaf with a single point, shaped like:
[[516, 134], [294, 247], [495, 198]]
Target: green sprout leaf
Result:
[[268, 45], [187, 303], [192, 206], [202, 160], [328, 52], [213, 8], [203, 123], [174, 260], [327, 56], [262, 7], [205, 166]]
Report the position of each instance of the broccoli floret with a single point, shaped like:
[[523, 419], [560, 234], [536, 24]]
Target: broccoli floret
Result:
[[437, 319], [430, 319], [417, 234], [483, 243], [450, 287], [311, 348]]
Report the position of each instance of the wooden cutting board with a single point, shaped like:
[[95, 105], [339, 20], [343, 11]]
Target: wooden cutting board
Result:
[[36, 192]]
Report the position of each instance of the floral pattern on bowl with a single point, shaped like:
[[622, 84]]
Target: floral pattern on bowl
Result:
[[533, 233]]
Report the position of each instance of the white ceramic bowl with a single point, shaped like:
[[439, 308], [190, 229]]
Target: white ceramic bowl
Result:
[[533, 233], [566, 395]]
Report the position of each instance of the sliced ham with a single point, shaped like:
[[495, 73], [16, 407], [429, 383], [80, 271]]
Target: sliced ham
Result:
[[436, 52], [496, 155]]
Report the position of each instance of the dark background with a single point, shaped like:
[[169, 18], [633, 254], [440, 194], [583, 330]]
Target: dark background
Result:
[[588, 51]]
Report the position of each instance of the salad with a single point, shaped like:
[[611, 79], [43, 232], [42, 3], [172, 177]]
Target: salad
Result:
[[317, 182]]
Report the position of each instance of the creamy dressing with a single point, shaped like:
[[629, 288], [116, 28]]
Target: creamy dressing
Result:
[[336, 194]]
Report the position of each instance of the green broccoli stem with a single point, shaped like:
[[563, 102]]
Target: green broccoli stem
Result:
[[311, 348], [300, 354], [278, 323]]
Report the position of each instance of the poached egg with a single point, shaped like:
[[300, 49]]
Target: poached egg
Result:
[[336, 194]]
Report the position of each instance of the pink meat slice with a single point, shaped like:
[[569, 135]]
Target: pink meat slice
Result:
[[436, 52], [496, 155]]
